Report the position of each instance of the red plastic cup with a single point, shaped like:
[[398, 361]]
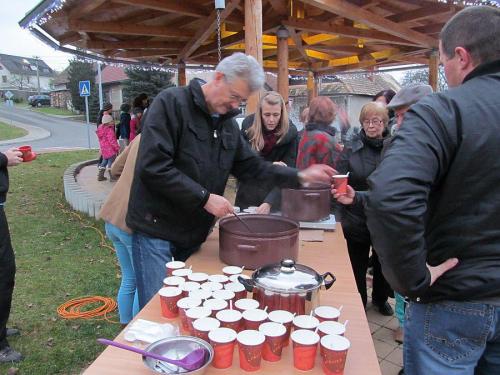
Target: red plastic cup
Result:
[[218, 278], [230, 319], [253, 318], [246, 304], [168, 301], [224, 294], [202, 326], [173, 281], [340, 183], [238, 289], [285, 318], [325, 313], [305, 346], [196, 313], [174, 265], [305, 322], [223, 341], [273, 346], [232, 270], [182, 272], [185, 304], [250, 343], [199, 277], [330, 327], [200, 293], [188, 286], [215, 305], [334, 350], [28, 154]]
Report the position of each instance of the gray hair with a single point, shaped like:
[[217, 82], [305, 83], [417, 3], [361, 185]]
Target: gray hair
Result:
[[245, 67], [477, 29]]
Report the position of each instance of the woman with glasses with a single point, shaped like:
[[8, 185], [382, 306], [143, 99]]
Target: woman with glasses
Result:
[[360, 161], [270, 134]]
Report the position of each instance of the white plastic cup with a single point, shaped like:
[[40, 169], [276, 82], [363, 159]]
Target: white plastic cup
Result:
[[215, 305], [211, 285], [246, 304], [254, 318], [331, 328], [232, 270], [173, 265], [173, 281], [199, 277], [305, 346], [202, 326], [305, 322], [325, 313]]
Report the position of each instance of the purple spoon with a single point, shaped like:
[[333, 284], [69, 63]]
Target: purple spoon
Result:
[[192, 361]]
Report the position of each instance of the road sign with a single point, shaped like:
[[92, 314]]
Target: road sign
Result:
[[84, 88], [9, 95]]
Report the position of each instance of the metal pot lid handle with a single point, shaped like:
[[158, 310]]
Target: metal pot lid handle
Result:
[[288, 266], [328, 284]]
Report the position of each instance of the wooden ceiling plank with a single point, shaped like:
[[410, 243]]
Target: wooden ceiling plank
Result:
[[170, 6], [420, 14], [348, 10], [209, 27], [84, 7], [138, 44], [124, 28], [279, 6], [353, 32]]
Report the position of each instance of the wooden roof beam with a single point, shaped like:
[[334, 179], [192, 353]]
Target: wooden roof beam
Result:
[[422, 13], [297, 39], [353, 32], [209, 27], [124, 28], [138, 44], [169, 6], [84, 7], [355, 13], [145, 53]]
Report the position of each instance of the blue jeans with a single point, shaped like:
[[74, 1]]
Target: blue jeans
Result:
[[150, 255], [128, 304], [106, 163], [455, 338]]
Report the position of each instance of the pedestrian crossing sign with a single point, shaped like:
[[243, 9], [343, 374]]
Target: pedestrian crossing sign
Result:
[[84, 88]]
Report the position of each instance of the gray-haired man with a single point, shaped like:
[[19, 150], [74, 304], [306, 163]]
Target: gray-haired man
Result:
[[190, 144]]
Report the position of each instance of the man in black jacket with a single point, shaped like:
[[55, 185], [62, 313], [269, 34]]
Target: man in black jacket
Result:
[[190, 144], [7, 262], [433, 207]]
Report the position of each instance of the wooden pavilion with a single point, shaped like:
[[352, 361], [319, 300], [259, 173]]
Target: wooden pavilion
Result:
[[308, 37]]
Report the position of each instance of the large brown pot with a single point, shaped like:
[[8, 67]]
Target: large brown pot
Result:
[[307, 203], [272, 239]]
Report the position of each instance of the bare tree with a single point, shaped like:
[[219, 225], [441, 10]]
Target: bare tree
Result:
[[20, 81], [422, 76]]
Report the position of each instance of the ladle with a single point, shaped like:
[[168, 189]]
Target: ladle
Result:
[[242, 222], [190, 362]]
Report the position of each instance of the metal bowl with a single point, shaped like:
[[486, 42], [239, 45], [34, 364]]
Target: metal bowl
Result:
[[176, 348]]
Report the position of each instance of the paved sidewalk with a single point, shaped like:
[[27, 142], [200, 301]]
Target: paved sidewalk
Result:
[[390, 353]]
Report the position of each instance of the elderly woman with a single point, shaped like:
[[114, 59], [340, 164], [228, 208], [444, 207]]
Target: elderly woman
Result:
[[360, 161], [269, 133], [317, 144]]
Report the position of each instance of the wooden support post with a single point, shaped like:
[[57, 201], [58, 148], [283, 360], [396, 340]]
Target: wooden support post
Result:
[[181, 74], [253, 42], [283, 35], [434, 70], [312, 89]]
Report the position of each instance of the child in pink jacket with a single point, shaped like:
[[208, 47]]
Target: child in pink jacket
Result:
[[109, 146]]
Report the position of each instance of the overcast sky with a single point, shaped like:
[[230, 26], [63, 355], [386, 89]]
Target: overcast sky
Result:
[[18, 41]]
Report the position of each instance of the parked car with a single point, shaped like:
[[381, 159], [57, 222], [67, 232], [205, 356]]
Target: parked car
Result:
[[30, 98], [39, 100]]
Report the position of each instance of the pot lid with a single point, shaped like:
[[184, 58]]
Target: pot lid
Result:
[[287, 277]]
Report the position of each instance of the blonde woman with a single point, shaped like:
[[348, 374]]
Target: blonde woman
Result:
[[270, 134]]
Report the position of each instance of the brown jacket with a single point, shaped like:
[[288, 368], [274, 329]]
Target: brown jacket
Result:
[[114, 209]]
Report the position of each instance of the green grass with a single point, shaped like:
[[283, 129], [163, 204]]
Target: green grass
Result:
[[58, 258], [10, 132], [54, 111]]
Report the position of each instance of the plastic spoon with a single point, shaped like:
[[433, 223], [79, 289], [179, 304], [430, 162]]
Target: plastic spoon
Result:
[[190, 362]]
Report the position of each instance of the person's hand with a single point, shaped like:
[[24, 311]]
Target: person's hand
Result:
[[14, 157], [317, 173], [282, 163], [437, 271], [345, 199], [263, 209], [218, 206]]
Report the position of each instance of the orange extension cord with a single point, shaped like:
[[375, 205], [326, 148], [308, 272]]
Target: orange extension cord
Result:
[[78, 308]]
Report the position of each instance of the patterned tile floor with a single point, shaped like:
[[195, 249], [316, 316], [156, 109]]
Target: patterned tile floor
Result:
[[389, 352]]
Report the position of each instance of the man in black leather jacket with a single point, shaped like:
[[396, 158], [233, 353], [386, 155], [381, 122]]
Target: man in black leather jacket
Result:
[[433, 207]]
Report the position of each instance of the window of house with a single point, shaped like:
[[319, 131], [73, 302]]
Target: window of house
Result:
[[4, 79]]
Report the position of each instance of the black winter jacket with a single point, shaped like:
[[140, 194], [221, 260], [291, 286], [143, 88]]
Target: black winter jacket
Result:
[[252, 193], [184, 155], [436, 194], [4, 178], [360, 160]]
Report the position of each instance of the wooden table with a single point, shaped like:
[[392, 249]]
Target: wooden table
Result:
[[329, 255]]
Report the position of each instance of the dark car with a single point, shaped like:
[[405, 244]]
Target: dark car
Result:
[[39, 100]]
